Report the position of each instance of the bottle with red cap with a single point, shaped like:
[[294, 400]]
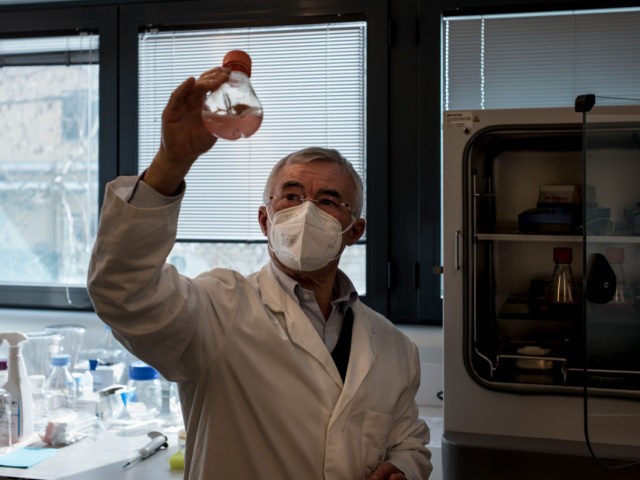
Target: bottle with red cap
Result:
[[562, 290], [233, 111]]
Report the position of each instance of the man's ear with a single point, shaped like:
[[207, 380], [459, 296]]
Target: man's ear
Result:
[[356, 231], [263, 218]]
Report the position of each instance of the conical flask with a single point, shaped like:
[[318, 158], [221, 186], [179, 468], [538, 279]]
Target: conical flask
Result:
[[233, 111], [562, 290]]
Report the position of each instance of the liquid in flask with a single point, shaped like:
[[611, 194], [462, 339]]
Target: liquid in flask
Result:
[[233, 111]]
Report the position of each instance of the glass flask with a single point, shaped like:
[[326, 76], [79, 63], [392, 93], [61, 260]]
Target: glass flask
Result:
[[233, 111], [562, 290]]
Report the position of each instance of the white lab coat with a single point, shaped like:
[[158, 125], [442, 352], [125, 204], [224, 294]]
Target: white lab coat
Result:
[[260, 393]]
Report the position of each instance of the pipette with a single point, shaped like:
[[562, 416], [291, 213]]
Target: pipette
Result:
[[158, 442]]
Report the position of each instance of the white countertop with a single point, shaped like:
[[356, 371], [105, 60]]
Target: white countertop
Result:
[[102, 456]]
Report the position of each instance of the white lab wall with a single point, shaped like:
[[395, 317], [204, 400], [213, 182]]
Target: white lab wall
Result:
[[429, 340]]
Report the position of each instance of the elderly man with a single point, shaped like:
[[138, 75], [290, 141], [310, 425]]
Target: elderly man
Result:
[[283, 374]]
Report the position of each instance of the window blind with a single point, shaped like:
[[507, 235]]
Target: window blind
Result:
[[540, 60], [311, 80]]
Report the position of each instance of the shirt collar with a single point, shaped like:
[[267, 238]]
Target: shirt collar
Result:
[[346, 292]]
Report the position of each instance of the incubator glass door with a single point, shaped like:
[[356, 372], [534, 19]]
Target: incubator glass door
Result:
[[611, 185]]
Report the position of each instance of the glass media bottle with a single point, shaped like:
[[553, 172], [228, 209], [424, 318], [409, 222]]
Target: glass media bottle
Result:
[[144, 400], [562, 290], [233, 111], [59, 388]]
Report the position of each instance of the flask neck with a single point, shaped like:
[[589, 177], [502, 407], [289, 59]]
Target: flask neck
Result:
[[237, 68]]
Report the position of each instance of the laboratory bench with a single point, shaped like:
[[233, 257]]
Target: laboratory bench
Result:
[[102, 456]]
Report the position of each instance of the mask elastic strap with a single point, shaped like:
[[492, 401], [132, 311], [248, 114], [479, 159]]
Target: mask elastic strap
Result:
[[349, 226], [342, 233]]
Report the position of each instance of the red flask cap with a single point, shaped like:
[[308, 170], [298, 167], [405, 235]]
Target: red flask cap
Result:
[[238, 60], [562, 255]]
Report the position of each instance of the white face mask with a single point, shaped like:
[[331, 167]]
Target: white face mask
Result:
[[304, 238]]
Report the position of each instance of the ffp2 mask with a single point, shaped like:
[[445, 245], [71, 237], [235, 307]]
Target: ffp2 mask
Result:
[[305, 238]]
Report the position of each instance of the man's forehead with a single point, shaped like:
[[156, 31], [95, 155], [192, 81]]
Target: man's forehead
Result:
[[318, 171]]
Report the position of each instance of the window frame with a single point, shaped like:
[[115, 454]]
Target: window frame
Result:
[[101, 20]]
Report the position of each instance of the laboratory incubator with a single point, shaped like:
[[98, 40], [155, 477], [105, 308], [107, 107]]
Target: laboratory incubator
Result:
[[542, 291]]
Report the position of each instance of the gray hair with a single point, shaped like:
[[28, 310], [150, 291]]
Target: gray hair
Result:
[[315, 154]]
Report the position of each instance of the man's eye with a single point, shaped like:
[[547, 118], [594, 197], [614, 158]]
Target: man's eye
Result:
[[291, 197], [327, 202]]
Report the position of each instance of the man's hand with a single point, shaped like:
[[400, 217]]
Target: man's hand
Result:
[[387, 471], [184, 136]]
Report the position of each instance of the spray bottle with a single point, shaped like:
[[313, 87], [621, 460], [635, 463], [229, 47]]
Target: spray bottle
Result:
[[19, 387]]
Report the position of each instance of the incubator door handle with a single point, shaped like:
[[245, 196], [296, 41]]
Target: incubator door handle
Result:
[[456, 251]]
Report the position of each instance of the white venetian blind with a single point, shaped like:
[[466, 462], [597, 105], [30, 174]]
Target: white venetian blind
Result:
[[540, 60], [311, 80]]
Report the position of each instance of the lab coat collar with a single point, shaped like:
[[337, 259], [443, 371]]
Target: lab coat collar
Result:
[[363, 341]]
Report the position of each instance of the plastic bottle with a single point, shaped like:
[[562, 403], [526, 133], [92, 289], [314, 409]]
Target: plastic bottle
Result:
[[5, 418], [233, 111], [19, 388], [60, 387], [562, 290], [144, 399]]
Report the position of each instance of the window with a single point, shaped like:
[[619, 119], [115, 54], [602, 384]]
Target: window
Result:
[[49, 159], [109, 122], [311, 80], [539, 59], [59, 144]]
